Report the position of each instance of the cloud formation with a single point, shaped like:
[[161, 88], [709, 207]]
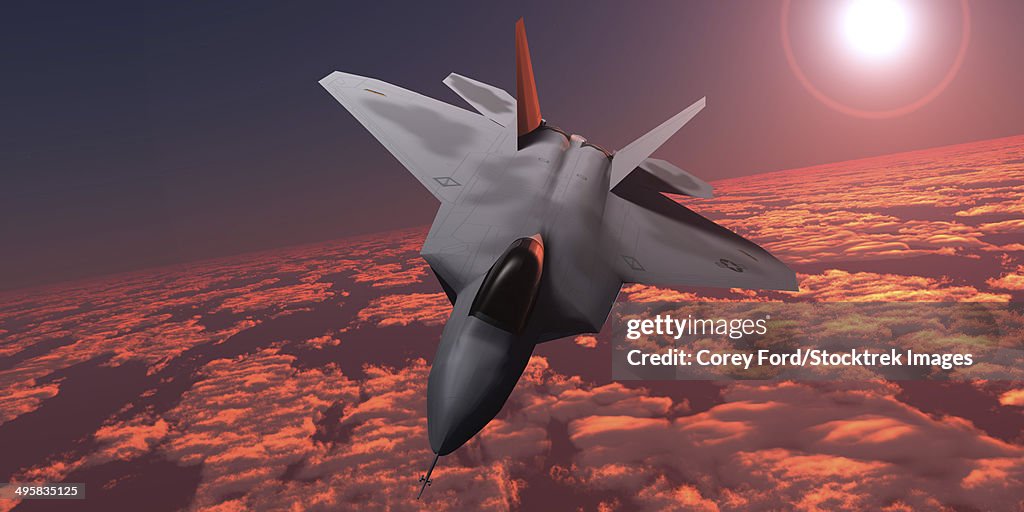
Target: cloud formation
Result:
[[269, 426]]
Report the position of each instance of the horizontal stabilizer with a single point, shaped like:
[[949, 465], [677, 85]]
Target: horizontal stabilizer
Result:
[[662, 176], [494, 103], [631, 156]]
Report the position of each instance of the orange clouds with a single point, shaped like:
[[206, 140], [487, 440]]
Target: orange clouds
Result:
[[323, 341], [278, 297], [661, 495], [1012, 397], [1011, 281], [647, 293], [840, 285], [248, 419], [157, 315], [865, 430], [393, 274], [595, 426], [1005, 473], [268, 429], [1004, 207], [22, 396], [1007, 226], [836, 285], [945, 202], [427, 308], [129, 439], [820, 447]]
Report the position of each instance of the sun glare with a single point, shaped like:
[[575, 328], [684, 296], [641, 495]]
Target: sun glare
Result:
[[875, 28]]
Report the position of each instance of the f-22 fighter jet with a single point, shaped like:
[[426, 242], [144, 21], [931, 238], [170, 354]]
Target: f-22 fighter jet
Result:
[[537, 230]]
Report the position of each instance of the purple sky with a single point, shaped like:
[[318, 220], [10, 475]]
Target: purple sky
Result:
[[138, 136]]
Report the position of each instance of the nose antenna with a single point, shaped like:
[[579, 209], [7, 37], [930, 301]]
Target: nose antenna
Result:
[[426, 478]]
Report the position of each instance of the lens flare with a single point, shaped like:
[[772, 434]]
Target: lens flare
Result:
[[875, 28], [839, 106]]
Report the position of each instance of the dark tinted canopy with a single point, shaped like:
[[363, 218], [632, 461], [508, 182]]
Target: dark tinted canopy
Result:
[[509, 290]]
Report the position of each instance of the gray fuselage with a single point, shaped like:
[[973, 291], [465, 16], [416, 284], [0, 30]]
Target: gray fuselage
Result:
[[478, 363]]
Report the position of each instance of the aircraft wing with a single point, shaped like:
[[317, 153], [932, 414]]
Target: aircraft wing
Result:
[[440, 144], [654, 240]]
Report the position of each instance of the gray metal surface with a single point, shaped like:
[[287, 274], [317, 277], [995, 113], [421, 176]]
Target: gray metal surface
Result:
[[603, 222], [665, 177], [631, 156], [495, 104], [653, 240], [432, 139], [476, 367]]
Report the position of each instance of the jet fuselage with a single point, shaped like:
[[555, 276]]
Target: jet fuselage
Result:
[[537, 230], [479, 359]]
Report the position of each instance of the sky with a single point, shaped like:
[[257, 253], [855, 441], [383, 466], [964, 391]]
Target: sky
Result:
[[138, 135]]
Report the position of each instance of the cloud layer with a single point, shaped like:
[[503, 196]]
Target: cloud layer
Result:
[[296, 377]]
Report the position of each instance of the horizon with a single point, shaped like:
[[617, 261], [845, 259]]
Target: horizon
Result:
[[423, 227]]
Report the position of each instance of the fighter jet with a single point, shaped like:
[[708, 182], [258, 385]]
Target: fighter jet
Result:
[[537, 230]]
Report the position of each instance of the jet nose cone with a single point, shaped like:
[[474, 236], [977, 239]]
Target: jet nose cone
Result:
[[444, 425], [474, 372]]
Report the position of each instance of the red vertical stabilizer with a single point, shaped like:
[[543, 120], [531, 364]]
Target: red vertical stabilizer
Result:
[[527, 106]]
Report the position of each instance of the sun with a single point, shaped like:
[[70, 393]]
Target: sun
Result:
[[875, 29]]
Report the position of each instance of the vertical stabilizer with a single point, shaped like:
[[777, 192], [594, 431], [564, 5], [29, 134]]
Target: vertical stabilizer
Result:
[[527, 105]]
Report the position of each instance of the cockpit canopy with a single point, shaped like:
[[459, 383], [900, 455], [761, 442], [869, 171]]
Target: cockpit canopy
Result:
[[509, 290]]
